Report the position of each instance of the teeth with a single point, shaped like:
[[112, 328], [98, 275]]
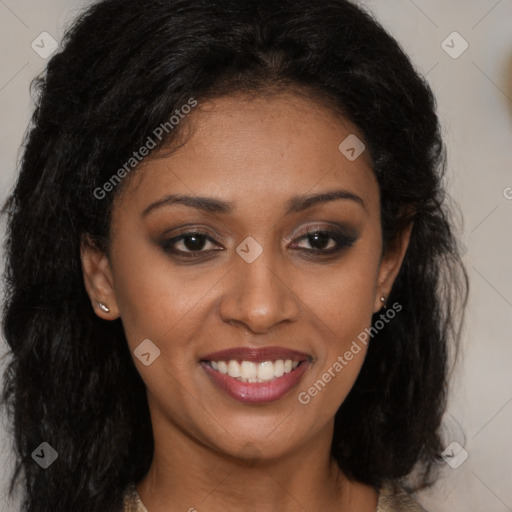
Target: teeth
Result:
[[279, 368], [247, 371], [266, 370], [223, 367], [233, 369]]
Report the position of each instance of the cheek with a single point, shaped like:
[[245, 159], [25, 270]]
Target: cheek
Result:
[[163, 303], [343, 296], [345, 300], [156, 299], [342, 302]]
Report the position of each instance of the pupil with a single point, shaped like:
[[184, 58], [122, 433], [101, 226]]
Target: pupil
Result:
[[323, 238], [194, 242]]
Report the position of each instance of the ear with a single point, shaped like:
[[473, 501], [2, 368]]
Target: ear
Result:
[[98, 279], [390, 264]]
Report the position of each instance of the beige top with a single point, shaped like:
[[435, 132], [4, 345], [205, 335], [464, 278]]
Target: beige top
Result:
[[392, 498]]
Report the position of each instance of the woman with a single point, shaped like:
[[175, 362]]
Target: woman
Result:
[[232, 281]]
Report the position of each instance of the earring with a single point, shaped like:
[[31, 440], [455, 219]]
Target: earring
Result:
[[383, 300], [103, 307]]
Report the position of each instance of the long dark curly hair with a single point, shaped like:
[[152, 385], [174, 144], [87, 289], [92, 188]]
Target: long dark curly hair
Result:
[[124, 68]]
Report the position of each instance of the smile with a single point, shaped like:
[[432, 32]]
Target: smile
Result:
[[256, 375], [247, 371]]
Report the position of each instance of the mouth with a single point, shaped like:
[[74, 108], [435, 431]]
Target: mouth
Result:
[[247, 371], [256, 375]]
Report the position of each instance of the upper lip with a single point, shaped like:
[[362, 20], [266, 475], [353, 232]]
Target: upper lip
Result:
[[256, 355]]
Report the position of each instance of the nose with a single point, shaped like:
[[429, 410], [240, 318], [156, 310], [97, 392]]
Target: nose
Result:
[[258, 297]]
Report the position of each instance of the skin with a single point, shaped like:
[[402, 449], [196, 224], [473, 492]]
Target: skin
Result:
[[212, 452]]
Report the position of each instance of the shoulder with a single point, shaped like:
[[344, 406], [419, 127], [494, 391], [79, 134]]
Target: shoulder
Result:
[[132, 502], [394, 498]]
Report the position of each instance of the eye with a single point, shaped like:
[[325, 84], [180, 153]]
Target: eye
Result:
[[189, 244], [193, 244], [326, 241]]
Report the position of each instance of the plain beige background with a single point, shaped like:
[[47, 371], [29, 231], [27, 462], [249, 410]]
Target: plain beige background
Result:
[[474, 92]]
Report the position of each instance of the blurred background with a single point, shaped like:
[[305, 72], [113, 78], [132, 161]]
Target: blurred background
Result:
[[464, 49]]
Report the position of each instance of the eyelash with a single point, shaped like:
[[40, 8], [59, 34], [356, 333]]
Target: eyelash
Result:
[[342, 240]]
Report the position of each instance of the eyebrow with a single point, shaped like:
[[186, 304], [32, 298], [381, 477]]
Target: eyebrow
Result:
[[212, 205]]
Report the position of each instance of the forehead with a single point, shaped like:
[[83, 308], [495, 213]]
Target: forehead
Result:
[[258, 148]]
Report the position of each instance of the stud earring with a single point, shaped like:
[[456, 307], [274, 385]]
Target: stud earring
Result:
[[383, 300], [103, 307]]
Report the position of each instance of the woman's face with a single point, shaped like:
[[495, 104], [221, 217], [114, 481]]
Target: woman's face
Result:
[[254, 280]]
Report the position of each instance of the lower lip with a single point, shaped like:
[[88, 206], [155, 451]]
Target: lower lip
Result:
[[257, 392]]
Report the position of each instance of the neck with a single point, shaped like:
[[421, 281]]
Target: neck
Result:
[[186, 474]]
